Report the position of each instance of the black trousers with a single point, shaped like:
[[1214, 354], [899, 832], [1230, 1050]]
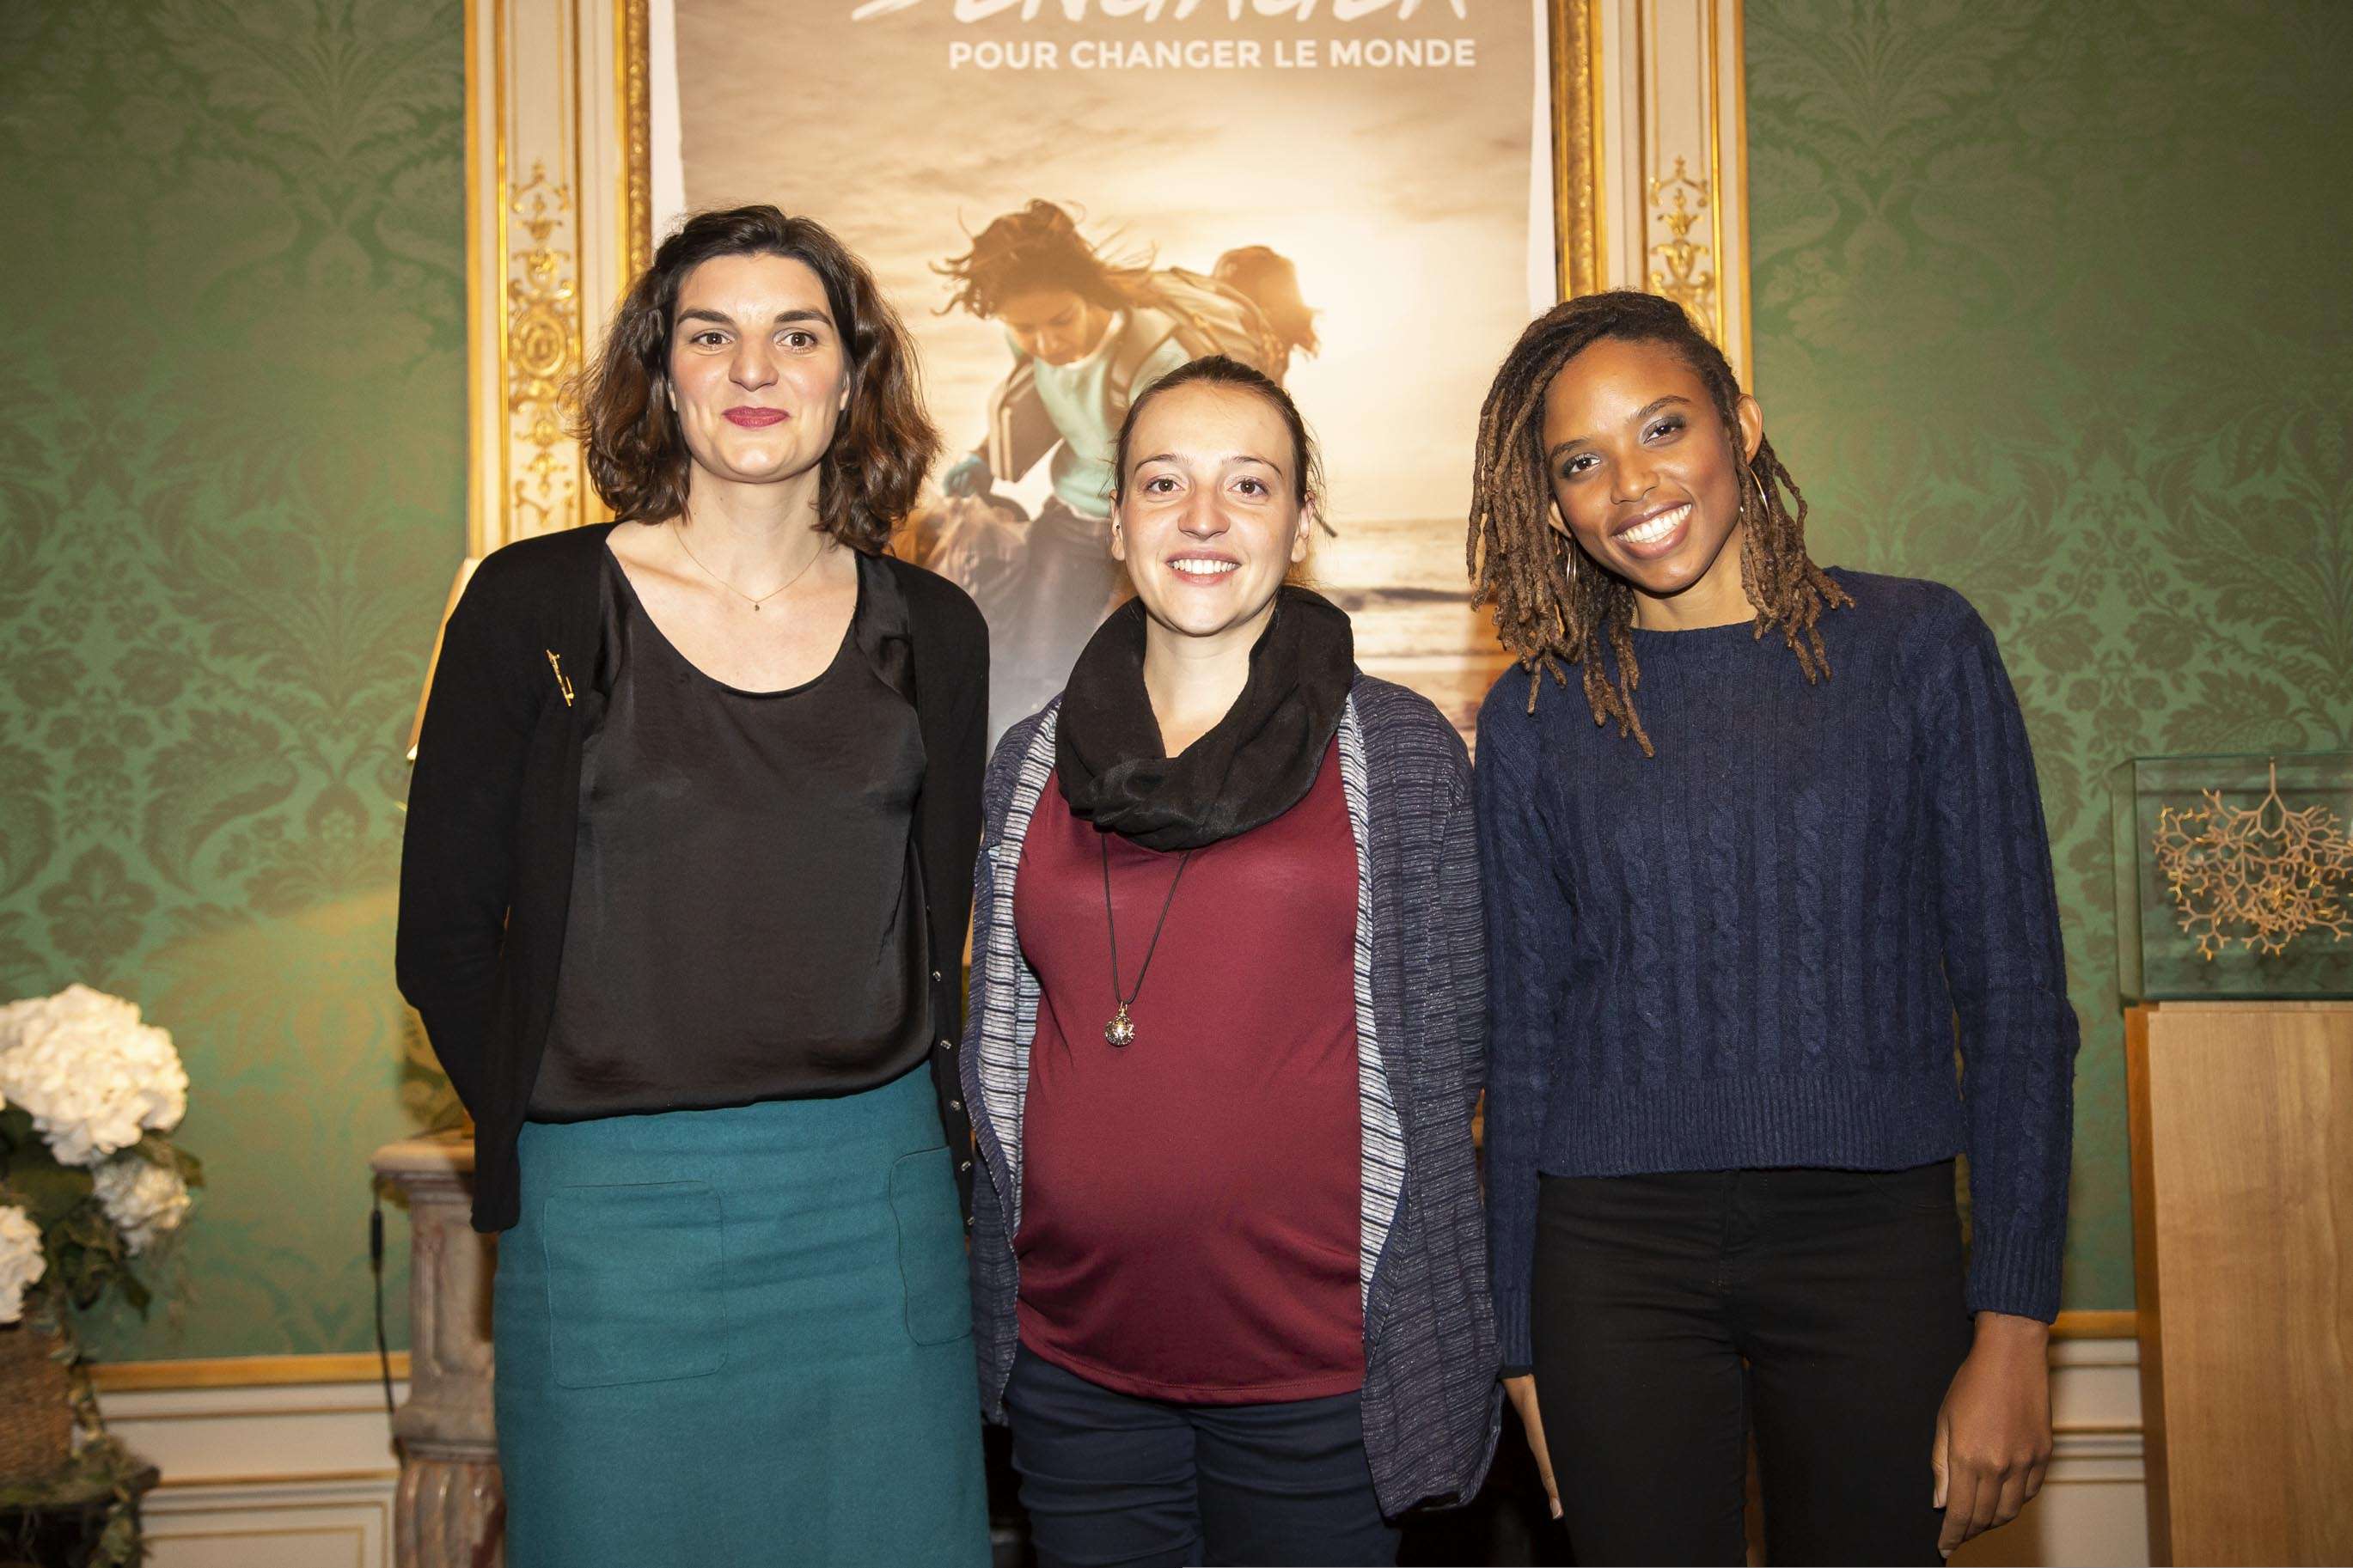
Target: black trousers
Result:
[[1674, 1313], [1110, 1478]]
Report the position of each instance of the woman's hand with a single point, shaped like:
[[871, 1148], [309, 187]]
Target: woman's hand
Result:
[[1993, 1434], [1522, 1391]]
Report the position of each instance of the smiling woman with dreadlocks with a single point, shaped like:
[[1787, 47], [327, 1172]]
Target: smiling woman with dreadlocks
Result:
[[1735, 898]]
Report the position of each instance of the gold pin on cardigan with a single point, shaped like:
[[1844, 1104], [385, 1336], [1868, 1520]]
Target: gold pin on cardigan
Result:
[[562, 683]]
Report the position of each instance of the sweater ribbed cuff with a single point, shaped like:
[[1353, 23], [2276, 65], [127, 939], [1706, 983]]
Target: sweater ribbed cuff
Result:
[[1512, 1332], [2015, 1270]]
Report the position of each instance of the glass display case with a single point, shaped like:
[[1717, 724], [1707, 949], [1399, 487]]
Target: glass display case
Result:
[[2234, 876]]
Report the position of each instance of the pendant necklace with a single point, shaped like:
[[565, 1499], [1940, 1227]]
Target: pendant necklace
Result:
[[1120, 1030], [680, 535]]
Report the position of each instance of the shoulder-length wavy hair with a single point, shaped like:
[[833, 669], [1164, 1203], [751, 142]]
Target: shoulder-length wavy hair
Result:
[[883, 445]]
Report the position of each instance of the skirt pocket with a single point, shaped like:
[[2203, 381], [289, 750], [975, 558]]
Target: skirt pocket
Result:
[[635, 1283], [932, 1267]]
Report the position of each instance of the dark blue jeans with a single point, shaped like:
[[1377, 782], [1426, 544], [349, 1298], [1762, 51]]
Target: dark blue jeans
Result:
[[1676, 1313], [1112, 1479]]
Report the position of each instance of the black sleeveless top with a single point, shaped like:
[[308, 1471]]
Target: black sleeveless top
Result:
[[747, 916]]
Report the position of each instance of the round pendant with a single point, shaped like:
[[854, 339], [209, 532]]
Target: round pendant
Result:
[[1120, 1031]]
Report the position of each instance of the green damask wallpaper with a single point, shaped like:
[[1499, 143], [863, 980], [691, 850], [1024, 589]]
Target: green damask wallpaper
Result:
[[232, 474], [2051, 305], [2048, 306]]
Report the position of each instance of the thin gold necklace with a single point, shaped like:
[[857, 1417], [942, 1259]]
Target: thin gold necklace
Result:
[[680, 535]]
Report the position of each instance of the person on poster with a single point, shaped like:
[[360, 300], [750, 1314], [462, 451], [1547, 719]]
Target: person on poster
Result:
[[1736, 895], [686, 877], [1226, 1037], [1089, 335]]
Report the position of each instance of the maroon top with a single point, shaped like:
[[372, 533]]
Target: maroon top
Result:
[[1189, 1203]]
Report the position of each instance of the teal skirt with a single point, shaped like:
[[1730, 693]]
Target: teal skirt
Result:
[[739, 1336]]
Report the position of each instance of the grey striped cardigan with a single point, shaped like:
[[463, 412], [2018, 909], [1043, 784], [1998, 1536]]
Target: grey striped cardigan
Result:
[[1432, 1402]]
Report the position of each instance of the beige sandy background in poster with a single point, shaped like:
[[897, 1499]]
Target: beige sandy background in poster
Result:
[[1400, 194]]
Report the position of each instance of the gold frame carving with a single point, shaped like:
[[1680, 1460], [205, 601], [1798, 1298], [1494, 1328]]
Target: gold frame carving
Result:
[[1683, 273], [542, 354], [1579, 210], [556, 204], [633, 60], [1650, 147]]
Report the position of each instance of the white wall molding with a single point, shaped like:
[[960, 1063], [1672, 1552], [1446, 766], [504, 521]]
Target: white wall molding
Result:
[[302, 1476], [284, 1476], [306, 1524]]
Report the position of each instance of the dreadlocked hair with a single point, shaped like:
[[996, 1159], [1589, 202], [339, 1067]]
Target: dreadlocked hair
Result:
[[1553, 611]]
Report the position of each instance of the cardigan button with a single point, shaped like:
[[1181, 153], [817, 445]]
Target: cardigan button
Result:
[[956, 1105], [947, 1044], [963, 1166], [936, 974]]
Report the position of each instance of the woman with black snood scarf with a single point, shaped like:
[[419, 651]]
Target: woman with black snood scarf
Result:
[[1227, 1030]]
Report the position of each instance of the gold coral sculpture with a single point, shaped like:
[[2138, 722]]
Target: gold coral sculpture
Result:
[[2261, 876]]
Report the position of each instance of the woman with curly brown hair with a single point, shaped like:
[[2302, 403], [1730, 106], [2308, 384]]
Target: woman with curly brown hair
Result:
[[688, 865], [1731, 925]]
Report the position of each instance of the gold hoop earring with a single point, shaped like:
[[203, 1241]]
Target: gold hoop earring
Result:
[[1558, 525]]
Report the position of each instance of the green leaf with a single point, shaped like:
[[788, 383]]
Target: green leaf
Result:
[[84, 1285], [16, 1133], [51, 1191], [119, 1545]]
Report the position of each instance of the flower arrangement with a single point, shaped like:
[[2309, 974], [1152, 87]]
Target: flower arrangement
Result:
[[89, 1178], [21, 1263]]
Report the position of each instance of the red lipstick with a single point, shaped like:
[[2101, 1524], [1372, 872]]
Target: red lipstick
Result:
[[752, 419]]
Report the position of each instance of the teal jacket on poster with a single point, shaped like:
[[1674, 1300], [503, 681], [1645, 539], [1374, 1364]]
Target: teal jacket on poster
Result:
[[1182, 316]]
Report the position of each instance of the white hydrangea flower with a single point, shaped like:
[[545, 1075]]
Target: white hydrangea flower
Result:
[[94, 1078], [145, 1201], [12, 1016], [21, 1263]]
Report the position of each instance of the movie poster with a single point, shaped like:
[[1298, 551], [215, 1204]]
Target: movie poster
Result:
[[1066, 197]]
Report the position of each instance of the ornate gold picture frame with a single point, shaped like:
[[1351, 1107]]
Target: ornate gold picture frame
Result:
[[1648, 190]]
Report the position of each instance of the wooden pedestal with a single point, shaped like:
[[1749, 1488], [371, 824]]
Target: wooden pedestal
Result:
[[2243, 1240], [450, 1511]]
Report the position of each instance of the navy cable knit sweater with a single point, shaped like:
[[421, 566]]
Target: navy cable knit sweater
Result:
[[1750, 949]]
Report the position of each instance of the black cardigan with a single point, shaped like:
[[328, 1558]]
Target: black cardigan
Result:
[[493, 817]]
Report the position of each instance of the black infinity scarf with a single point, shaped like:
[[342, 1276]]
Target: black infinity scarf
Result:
[[1256, 764]]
